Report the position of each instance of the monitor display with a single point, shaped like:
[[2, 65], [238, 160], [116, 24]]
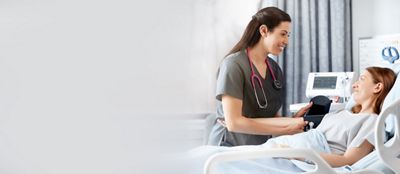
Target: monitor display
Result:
[[325, 82]]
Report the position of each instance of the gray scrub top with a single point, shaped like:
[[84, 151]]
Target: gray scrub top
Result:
[[233, 79]]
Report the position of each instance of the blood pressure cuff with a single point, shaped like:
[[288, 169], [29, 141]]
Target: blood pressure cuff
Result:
[[320, 107]]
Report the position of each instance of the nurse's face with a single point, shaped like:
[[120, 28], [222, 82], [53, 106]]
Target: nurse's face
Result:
[[364, 88], [277, 39]]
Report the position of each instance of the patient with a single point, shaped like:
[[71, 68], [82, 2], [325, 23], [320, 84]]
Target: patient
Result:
[[346, 137], [342, 138]]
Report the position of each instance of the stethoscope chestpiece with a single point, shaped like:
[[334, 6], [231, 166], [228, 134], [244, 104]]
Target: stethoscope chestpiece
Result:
[[277, 84]]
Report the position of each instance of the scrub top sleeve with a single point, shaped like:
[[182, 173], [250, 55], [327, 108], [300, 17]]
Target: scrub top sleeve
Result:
[[365, 132], [230, 80]]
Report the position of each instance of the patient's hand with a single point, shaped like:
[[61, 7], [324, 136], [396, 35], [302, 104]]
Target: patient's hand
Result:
[[303, 110], [287, 146], [289, 158], [282, 146]]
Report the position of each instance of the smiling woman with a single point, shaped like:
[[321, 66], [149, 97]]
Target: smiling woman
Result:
[[250, 85], [371, 88]]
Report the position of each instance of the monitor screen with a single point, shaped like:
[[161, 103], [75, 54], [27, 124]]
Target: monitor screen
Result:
[[325, 82]]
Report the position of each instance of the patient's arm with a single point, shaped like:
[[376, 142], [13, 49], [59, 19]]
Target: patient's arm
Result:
[[351, 155]]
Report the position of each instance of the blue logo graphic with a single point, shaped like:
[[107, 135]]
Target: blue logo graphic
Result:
[[390, 54]]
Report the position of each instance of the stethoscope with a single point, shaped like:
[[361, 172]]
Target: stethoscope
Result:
[[277, 84]]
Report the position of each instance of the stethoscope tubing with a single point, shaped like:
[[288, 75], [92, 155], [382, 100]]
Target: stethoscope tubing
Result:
[[254, 76]]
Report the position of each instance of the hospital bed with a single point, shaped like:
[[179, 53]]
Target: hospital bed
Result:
[[386, 157]]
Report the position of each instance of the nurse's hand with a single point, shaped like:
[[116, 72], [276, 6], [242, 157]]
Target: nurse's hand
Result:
[[297, 126], [303, 110], [221, 122]]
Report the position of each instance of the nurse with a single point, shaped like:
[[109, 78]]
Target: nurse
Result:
[[250, 85]]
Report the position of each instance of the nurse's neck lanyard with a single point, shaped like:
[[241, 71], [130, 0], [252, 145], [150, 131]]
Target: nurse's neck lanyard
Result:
[[253, 77]]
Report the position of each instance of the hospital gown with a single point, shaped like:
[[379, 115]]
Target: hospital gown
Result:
[[345, 129], [337, 132]]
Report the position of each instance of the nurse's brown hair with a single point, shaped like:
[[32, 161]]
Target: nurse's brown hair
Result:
[[269, 16]]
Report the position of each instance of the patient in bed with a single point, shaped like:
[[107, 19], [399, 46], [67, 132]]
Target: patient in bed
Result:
[[342, 138]]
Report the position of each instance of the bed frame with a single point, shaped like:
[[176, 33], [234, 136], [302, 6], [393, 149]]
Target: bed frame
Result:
[[389, 153]]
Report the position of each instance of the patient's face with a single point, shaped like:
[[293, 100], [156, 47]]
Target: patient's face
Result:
[[363, 88]]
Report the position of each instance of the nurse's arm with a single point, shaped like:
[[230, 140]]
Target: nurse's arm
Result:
[[236, 122]]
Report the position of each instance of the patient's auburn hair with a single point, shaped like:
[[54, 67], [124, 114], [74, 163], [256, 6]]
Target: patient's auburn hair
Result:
[[379, 75]]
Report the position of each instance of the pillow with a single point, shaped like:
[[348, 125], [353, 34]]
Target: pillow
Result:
[[393, 96], [350, 103]]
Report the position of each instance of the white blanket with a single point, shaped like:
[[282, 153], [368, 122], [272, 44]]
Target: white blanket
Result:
[[312, 139]]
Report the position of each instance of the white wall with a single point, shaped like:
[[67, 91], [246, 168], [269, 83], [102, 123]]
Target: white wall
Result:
[[371, 18], [91, 86]]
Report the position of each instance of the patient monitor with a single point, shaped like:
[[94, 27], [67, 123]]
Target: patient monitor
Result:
[[334, 85], [330, 84]]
